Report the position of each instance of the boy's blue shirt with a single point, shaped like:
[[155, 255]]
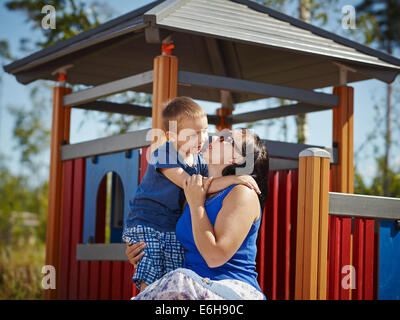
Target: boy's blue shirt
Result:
[[158, 201]]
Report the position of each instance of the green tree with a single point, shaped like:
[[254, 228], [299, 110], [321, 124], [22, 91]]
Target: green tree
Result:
[[380, 20]]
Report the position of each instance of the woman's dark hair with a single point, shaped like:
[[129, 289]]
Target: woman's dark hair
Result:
[[257, 157]]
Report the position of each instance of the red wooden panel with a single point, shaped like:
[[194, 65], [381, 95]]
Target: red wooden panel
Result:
[[105, 283], [94, 280], [116, 280], [272, 237], [127, 281], [83, 284], [260, 259], [77, 224], [293, 231], [345, 254], [66, 230], [334, 243], [358, 258], [284, 208], [143, 161], [369, 259]]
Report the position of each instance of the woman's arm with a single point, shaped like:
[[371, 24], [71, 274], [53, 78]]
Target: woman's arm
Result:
[[219, 243]]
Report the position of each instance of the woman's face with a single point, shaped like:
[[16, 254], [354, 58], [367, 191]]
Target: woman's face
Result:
[[224, 149]]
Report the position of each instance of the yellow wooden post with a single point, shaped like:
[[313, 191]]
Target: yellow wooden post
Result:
[[312, 224], [165, 88], [59, 135]]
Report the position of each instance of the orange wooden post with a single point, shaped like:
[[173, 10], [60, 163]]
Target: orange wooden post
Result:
[[343, 138], [312, 225], [342, 181], [222, 113], [60, 130], [165, 88]]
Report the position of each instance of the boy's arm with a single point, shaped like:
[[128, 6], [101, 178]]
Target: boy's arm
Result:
[[221, 183], [178, 175]]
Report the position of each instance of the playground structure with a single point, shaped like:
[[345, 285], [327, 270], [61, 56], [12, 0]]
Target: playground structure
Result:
[[316, 235]]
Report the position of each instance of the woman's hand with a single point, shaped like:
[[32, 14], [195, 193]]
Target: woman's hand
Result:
[[195, 188], [248, 181], [132, 252]]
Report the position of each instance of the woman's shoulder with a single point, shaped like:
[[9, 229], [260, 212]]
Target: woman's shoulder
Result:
[[242, 196]]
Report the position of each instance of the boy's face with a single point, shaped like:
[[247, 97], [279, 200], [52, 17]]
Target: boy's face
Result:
[[192, 134]]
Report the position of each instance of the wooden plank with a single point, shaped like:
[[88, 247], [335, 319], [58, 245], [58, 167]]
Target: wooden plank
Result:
[[369, 259], [116, 280], [77, 222], [323, 230], [334, 263], [94, 280], [311, 222], [66, 229], [300, 229], [105, 283], [345, 254], [260, 88], [272, 237], [293, 231], [358, 258]]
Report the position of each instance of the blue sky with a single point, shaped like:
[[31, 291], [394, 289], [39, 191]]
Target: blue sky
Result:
[[13, 27]]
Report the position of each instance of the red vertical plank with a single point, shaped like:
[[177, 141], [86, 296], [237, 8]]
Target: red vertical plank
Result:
[[77, 221], [358, 258], [116, 280], [260, 259], [94, 280], [369, 259], [272, 237], [345, 255], [144, 160], [293, 231], [334, 261], [105, 283], [66, 231], [283, 245], [127, 281]]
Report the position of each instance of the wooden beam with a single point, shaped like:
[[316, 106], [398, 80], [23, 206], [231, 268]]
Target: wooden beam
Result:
[[260, 88], [108, 89], [272, 113]]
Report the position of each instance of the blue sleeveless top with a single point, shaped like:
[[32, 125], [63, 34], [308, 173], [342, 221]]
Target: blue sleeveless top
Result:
[[242, 265]]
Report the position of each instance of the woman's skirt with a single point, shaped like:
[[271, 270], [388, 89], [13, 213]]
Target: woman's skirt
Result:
[[185, 284]]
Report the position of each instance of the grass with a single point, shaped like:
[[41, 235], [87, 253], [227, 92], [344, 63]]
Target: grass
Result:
[[20, 271]]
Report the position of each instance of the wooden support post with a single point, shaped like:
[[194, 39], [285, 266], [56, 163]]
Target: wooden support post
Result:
[[342, 181], [60, 130], [225, 110], [343, 137], [165, 88], [312, 225]]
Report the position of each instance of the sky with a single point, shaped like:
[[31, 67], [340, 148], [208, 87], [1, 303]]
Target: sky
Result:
[[13, 26]]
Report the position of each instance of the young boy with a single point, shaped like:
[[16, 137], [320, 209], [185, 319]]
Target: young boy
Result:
[[157, 205]]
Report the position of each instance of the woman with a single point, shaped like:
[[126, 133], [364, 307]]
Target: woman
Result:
[[219, 233]]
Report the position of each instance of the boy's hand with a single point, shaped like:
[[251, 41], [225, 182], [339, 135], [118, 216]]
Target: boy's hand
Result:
[[132, 252], [248, 181]]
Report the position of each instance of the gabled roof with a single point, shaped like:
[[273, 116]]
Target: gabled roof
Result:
[[235, 38]]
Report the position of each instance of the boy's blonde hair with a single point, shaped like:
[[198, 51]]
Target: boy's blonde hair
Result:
[[181, 107]]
